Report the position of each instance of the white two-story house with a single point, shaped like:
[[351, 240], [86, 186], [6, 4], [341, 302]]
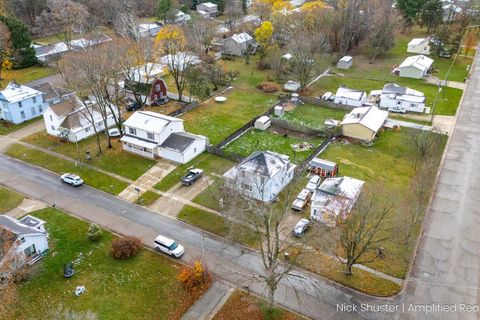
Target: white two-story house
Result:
[[262, 175], [19, 103], [74, 120], [153, 135]]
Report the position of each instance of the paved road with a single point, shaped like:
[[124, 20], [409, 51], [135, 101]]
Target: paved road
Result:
[[447, 269]]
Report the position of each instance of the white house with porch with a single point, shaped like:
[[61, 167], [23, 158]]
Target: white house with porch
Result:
[[350, 97], [262, 175], [23, 242], [150, 134], [75, 120]]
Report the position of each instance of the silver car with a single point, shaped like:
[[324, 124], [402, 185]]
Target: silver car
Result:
[[71, 179], [300, 228]]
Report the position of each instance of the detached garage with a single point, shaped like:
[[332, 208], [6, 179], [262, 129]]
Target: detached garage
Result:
[[182, 147], [363, 123], [415, 67]]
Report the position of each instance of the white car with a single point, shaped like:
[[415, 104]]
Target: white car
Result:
[[328, 96], [114, 133], [300, 228], [71, 179], [169, 246], [313, 183], [397, 109], [302, 200]]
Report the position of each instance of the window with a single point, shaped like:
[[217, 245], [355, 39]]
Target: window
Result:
[[87, 129], [20, 104], [32, 109], [53, 127], [150, 136], [22, 239], [399, 103], [132, 131], [413, 105], [40, 109], [157, 87], [246, 187], [34, 99], [51, 118], [99, 124], [22, 114], [195, 150]]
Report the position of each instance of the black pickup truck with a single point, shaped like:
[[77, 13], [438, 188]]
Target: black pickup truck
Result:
[[192, 176]]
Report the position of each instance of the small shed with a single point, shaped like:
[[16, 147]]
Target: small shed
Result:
[[263, 123], [291, 85], [345, 63], [279, 111], [323, 168]]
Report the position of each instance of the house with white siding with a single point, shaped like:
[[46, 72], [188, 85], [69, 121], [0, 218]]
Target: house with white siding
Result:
[[395, 97], [150, 134], [262, 175], [350, 97], [74, 120], [19, 103], [415, 67], [419, 45], [207, 9]]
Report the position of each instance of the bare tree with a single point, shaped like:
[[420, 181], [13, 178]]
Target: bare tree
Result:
[[306, 48], [359, 234], [125, 22], [423, 142], [233, 11], [202, 32], [278, 249], [381, 35]]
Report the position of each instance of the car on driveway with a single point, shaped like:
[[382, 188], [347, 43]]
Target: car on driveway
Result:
[[169, 246], [133, 105], [302, 200], [114, 133], [192, 176], [300, 228], [313, 183], [71, 179]]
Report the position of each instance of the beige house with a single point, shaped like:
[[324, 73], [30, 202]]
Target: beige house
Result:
[[363, 123]]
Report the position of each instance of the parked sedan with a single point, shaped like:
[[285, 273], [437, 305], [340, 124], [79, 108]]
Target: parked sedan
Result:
[[300, 228], [302, 200], [71, 179], [114, 133], [133, 105], [192, 176]]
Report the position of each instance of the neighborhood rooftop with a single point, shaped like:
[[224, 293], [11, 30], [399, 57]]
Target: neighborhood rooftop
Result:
[[180, 141], [350, 93], [264, 163], [420, 62], [149, 121], [18, 92], [370, 117], [242, 37], [16, 227]]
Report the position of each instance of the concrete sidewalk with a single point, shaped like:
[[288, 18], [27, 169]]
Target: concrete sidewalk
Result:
[[209, 304]]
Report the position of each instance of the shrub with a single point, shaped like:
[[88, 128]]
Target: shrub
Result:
[[194, 278], [268, 87], [125, 248], [263, 65], [270, 313], [207, 59], [94, 232]]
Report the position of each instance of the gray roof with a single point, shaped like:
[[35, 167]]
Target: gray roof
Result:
[[265, 163], [15, 227], [393, 88], [179, 141], [324, 164], [48, 91]]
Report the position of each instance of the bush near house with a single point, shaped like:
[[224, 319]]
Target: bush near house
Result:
[[268, 87], [194, 278]]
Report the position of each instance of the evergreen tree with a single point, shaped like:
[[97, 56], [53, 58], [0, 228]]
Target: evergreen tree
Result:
[[432, 13], [410, 9], [23, 55]]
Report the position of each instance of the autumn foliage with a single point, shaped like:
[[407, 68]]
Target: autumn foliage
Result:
[[194, 278], [268, 87], [125, 248]]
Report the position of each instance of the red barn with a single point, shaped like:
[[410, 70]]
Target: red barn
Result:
[[158, 92]]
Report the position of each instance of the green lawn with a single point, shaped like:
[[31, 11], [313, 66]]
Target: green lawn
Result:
[[248, 74], [114, 160], [257, 140], [145, 285], [8, 127], [208, 162], [218, 120], [26, 75], [313, 116], [148, 198], [91, 177], [9, 200], [448, 99], [216, 224], [389, 164]]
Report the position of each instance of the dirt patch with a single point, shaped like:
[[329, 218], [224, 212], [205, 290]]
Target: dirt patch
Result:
[[291, 133]]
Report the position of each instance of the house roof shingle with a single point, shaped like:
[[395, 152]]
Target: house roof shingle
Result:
[[180, 141], [16, 227], [48, 91]]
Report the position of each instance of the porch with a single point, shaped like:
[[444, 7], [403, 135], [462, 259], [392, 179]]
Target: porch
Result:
[[141, 147]]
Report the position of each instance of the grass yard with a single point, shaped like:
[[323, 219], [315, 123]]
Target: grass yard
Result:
[[216, 224], [254, 140], [448, 99], [114, 160], [148, 198], [313, 116], [9, 200], [210, 163], [8, 127], [91, 177], [241, 305], [388, 163], [26, 75], [218, 120], [144, 286], [249, 76]]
